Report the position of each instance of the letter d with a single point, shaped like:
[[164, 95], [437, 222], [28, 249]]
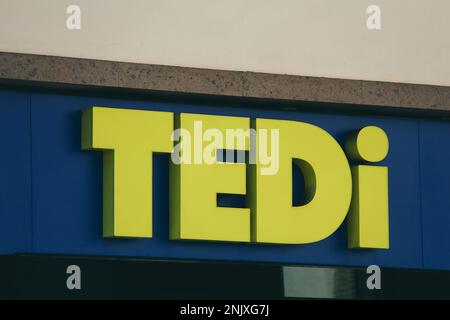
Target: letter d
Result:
[[328, 186]]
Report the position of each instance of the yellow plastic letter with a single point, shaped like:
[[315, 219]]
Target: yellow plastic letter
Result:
[[368, 220], [194, 187], [128, 139], [328, 186]]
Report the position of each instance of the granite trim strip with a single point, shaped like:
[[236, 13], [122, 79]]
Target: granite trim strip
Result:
[[174, 79]]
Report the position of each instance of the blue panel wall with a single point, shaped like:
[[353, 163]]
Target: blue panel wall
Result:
[[435, 190], [15, 169], [66, 185]]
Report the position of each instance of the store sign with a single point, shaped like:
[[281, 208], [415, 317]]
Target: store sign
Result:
[[333, 187]]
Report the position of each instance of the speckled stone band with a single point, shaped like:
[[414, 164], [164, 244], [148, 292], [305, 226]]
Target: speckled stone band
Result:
[[170, 79]]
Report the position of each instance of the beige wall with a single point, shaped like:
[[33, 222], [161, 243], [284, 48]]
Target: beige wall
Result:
[[303, 37]]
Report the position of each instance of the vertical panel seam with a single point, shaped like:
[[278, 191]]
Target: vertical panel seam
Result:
[[420, 193]]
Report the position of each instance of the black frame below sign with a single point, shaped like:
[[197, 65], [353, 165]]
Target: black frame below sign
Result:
[[24, 276]]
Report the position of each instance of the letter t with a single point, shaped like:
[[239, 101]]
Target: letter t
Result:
[[128, 139]]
